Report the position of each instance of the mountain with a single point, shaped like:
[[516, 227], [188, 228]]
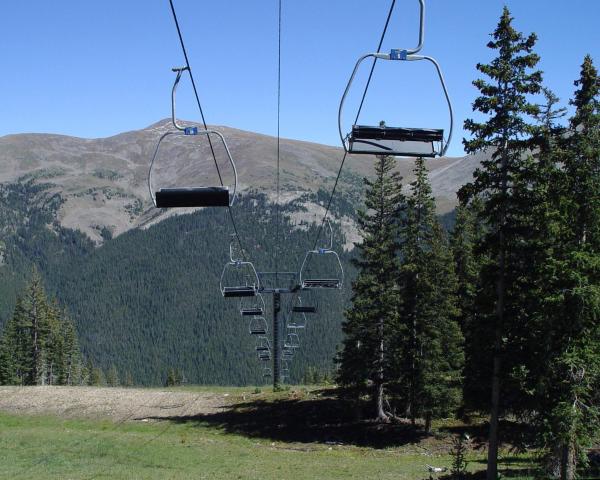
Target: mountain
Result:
[[103, 182], [142, 283]]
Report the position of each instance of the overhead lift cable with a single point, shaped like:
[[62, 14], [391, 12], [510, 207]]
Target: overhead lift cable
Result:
[[277, 206], [319, 231], [189, 69]]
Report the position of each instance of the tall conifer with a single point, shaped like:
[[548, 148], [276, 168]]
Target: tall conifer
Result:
[[502, 185], [568, 390], [369, 322], [428, 341]]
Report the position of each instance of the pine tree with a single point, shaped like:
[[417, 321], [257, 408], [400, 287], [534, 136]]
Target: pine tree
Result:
[[368, 324], [171, 378], [71, 364], [97, 377], [568, 393], [112, 376], [128, 379], [467, 264], [53, 348], [430, 357], [39, 343], [36, 321], [8, 361], [501, 183]]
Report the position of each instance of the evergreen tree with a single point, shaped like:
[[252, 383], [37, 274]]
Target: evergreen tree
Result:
[[502, 184], [430, 357], [71, 362], [128, 379], [568, 393], [8, 359], [369, 322], [39, 343], [97, 377], [35, 319], [467, 264], [112, 376], [171, 378]]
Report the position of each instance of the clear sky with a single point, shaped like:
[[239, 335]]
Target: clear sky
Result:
[[97, 68]]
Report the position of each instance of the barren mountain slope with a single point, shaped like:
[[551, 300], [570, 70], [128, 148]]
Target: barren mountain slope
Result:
[[104, 181]]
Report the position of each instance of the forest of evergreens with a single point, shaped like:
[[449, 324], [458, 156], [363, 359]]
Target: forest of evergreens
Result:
[[504, 317], [148, 302]]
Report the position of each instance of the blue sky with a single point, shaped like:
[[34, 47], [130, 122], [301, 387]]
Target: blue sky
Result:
[[94, 69]]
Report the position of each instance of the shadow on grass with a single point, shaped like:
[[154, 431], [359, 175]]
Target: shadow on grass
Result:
[[517, 437], [322, 420]]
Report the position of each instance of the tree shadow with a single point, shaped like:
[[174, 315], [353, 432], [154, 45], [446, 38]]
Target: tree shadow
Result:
[[322, 420], [516, 436]]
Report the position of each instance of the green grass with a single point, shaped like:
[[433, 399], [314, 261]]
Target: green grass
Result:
[[51, 448], [263, 436]]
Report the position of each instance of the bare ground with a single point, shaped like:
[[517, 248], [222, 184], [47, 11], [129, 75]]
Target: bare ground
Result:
[[116, 404]]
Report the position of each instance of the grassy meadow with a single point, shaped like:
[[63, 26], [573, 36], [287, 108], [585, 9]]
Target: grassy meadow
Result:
[[261, 436]]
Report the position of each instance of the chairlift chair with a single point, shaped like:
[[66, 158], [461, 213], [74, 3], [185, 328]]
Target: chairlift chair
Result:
[[287, 353], [250, 307], [264, 355], [267, 372], [239, 277], [297, 320], [285, 369], [397, 141], [310, 280], [292, 340], [196, 196], [258, 326], [299, 307], [263, 344]]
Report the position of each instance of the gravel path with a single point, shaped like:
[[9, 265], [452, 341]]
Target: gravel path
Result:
[[118, 404]]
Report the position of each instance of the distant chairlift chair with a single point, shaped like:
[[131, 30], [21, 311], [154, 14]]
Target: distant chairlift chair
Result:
[[239, 277], [297, 320], [292, 340], [252, 307], [309, 281], [196, 196], [397, 141], [258, 326], [299, 307]]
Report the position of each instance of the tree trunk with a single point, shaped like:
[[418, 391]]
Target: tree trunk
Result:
[[492, 466], [35, 355], [428, 422], [379, 390], [567, 463]]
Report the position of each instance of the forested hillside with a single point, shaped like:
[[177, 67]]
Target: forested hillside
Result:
[[149, 300]]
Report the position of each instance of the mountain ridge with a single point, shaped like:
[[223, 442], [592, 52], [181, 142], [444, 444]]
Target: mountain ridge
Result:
[[103, 181]]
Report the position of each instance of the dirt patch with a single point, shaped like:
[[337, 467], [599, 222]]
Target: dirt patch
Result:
[[118, 404]]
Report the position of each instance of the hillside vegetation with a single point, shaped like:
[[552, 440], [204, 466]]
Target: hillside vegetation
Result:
[[148, 300]]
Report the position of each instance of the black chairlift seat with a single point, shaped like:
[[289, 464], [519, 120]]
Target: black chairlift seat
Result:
[[192, 197], [251, 312], [397, 141], [242, 291], [263, 349], [302, 309], [321, 283], [258, 331]]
